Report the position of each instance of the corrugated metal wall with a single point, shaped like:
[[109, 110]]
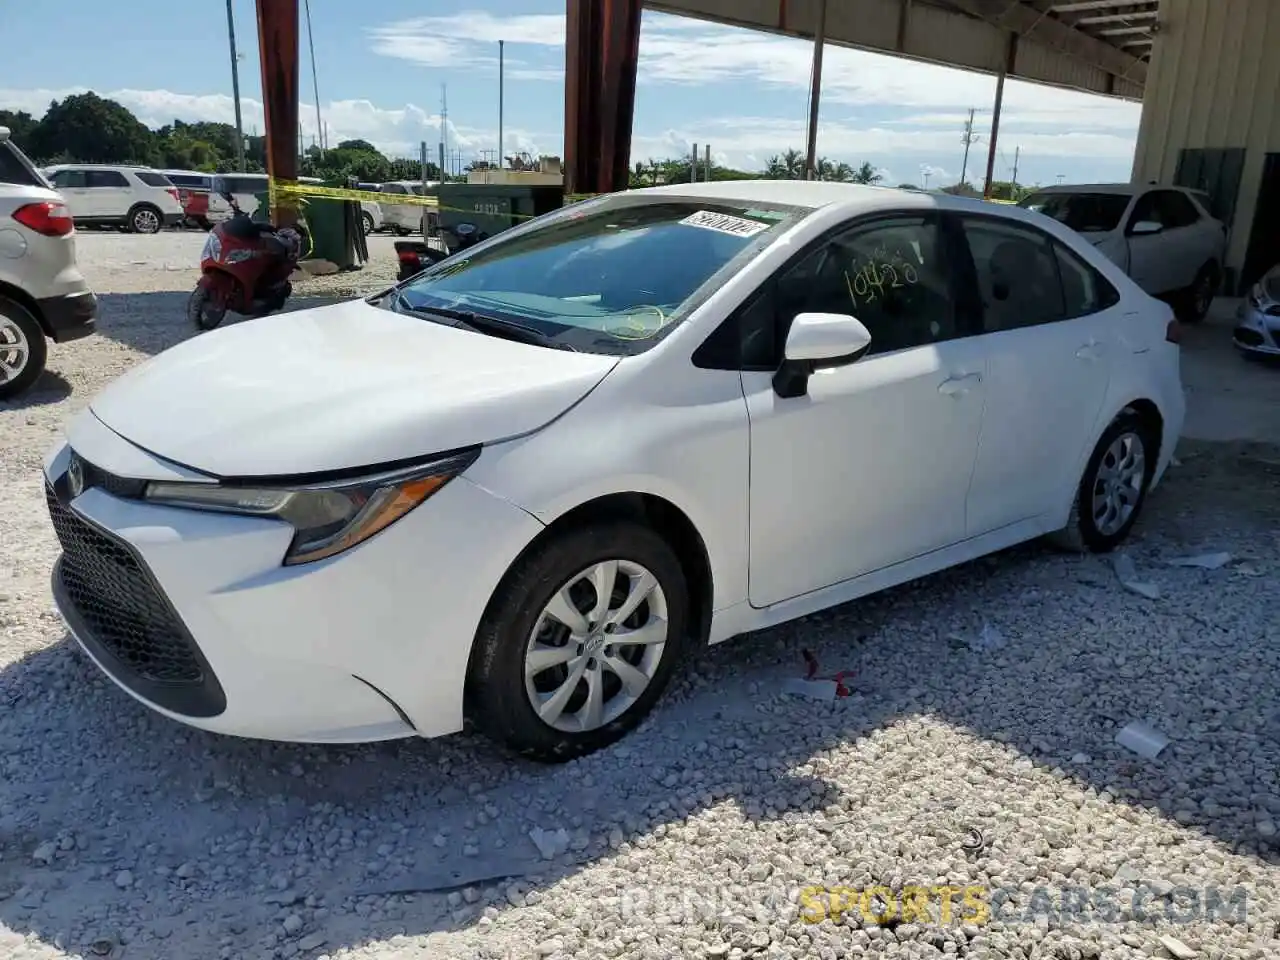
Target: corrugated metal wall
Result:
[[1214, 83]]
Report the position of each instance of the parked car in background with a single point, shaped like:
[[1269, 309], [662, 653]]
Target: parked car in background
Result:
[[1257, 329], [405, 218], [636, 425], [1163, 237], [245, 187], [202, 206], [137, 199], [43, 294]]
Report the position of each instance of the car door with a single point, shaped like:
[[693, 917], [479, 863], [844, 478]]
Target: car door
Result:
[[871, 466], [1194, 238], [71, 184], [109, 192], [1050, 327]]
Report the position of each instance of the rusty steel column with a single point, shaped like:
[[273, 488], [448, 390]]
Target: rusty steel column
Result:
[[278, 53], [602, 47], [1006, 68]]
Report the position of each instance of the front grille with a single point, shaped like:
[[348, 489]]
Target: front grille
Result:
[[119, 603], [123, 487]]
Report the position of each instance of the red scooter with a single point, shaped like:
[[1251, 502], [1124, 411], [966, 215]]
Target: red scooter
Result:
[[245, 268]]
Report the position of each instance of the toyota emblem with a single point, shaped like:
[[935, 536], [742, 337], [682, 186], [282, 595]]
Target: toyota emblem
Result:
[[75, 477]]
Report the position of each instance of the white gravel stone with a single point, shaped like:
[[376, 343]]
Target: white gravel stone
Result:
[[693, 837]]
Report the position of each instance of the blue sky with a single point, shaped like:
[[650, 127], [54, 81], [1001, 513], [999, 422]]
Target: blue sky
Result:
[[381, 65]]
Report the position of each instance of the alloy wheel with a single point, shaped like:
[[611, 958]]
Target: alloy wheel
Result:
[[1118, 482], [146, 221], [14, 350], [596, 646]]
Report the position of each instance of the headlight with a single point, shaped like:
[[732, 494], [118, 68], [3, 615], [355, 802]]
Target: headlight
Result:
[[327, 518]]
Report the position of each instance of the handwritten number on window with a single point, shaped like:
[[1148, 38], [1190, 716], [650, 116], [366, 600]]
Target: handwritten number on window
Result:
[[870, 281]]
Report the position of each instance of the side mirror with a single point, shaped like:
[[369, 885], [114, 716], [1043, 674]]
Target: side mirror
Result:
[[818, 341], [1146, 227]]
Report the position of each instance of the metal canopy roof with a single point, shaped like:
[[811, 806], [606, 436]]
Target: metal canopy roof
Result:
[[1099, 46]]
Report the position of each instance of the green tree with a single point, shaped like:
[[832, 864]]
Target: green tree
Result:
[[22, 126], [866, 174], [789, 165], [91, 129]]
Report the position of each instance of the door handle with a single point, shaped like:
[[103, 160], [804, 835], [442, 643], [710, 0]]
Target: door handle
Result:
[[959, 385]]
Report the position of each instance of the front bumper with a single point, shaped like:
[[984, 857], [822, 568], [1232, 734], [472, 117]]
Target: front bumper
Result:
[[1257, 330], [69, 317], [192, 614]]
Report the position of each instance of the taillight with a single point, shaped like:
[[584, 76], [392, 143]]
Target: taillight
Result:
[[49, 218], [174, 193], [1173, 332]]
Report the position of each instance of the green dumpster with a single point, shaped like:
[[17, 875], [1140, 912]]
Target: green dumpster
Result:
[[333, 230], [491, 208]]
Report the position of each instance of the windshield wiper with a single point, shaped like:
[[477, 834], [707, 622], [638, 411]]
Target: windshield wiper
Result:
[[483, 323]]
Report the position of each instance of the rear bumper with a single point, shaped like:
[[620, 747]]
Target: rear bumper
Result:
[[69, 317], [173, 219]]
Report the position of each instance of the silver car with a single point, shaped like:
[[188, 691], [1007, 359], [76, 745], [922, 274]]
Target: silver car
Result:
[[1163, 237], [1257, 329], [42, 292]]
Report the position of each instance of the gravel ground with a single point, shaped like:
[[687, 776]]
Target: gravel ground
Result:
[[125, 835]]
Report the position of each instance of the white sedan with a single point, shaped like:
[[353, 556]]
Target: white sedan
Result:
[[522, 485]]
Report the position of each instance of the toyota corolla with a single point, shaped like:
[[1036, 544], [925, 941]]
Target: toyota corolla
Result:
[[520, 486]]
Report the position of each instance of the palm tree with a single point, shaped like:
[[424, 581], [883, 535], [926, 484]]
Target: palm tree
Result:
[[787, 166], [866, 174]]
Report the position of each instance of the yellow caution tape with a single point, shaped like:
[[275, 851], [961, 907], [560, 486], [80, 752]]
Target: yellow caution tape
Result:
[[293, 190]]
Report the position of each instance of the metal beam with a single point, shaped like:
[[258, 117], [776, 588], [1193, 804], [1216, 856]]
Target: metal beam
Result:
[[1034, 25], [602, 47], [1115, 18], [1010, 57], [278, 54], [1090, 5]]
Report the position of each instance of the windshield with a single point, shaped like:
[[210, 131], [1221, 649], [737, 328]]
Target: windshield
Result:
[[613, 276], [1082, 212]]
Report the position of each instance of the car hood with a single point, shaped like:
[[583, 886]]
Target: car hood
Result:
[[339, 387]]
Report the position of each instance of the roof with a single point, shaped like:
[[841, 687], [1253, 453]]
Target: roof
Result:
[[99, 166], [1100, 46], [814, 194], [1119, 189]]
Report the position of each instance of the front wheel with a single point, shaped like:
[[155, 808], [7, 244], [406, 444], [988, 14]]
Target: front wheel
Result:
[[1114, 487], [579, 641], [202, 311], [22, 349]]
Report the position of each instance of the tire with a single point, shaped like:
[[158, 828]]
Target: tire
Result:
[[200, 313], [367, 220], [23, 350], [144, 218], [1198, 298], [1086, 530], [500, 700]]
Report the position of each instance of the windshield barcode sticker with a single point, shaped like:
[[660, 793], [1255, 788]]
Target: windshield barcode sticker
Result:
[[723, 223]]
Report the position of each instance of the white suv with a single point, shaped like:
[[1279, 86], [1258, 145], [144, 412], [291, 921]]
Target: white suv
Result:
[[1163, 237], [42, 292], [138, 199]]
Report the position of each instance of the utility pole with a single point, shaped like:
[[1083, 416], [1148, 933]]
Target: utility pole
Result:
[[693, 169], [501, 71], [969, 139], [707, 168], [235, 87], [1014, 182], [315, 84], [444, 122]]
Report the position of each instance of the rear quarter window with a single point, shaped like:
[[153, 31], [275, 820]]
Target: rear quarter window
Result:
[[152, 179]]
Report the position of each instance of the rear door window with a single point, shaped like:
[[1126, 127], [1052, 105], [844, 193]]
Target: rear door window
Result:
[[1017, 273], [1177, 210], [102, 179]]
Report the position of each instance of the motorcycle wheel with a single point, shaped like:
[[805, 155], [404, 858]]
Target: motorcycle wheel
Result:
[[201, 311]]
